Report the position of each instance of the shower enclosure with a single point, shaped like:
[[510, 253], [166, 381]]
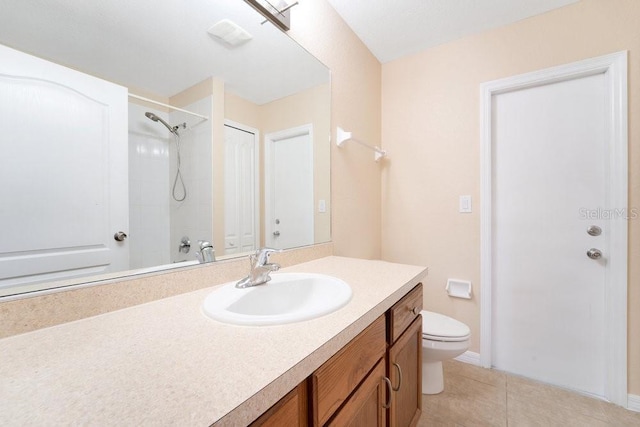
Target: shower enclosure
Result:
[[170, 188]]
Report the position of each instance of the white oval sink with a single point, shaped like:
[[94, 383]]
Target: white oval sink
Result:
[[287, 298]]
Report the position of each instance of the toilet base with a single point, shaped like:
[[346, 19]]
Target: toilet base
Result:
[[432, 377]]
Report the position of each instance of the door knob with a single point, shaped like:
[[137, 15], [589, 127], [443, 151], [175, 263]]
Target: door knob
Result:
[[120, 236], [594, 253]]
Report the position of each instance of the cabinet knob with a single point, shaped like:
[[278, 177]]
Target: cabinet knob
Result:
[[415, 310]]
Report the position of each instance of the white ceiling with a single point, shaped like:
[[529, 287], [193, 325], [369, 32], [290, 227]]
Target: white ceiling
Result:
[[161, 46], [393, 29]]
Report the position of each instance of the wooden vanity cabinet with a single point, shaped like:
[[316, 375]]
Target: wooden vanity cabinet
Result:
[[373, 381], [404, 359]]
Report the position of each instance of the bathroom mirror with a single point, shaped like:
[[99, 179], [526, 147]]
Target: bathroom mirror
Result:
[[135, 132]]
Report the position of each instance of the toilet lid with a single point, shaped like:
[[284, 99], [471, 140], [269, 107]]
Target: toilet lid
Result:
[[443, 328]]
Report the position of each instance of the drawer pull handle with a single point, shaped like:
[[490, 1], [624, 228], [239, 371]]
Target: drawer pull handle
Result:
[[415, 310], [387, 405], [399, 377]]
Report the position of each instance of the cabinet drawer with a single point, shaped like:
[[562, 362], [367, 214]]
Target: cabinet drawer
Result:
[[404, 312], [334, 381]]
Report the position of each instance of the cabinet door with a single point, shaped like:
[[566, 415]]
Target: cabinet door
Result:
[[290, 411], [365, 407], [405, 371]]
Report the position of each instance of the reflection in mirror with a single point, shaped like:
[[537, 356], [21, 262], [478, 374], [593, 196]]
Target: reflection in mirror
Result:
[[134, 145]]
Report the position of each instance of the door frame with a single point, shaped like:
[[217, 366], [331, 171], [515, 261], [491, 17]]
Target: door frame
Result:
[[269, 138], [615, 65], [256, 165]]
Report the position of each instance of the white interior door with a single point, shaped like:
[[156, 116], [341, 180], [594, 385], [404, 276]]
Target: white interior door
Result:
[[63, 171], [289, 200], [241, 189], [550, 160]]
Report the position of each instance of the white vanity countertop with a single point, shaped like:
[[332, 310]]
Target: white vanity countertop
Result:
[[166, 363]]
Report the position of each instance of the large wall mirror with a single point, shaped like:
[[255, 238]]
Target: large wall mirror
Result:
[[134, 131]]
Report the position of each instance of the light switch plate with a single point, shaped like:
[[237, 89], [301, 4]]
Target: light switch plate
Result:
[[465, 204]]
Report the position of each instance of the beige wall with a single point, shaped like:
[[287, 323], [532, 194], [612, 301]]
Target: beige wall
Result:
[[431, 126], [355, 106], [242, 111]]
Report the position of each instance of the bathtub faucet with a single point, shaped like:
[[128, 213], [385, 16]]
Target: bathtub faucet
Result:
[[206, 252]]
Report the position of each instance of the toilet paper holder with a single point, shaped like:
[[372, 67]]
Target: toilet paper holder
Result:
[[459, 288]]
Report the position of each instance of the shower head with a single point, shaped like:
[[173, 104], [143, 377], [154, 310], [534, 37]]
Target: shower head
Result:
[[172, 129]]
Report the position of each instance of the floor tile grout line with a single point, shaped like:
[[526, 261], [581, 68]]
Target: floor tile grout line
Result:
[[506, 400]]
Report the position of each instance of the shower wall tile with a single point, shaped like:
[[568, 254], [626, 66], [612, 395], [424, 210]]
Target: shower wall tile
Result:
[[148, 189]]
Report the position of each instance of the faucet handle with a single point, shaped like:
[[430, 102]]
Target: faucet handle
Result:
[[262, 255], [204, 244]]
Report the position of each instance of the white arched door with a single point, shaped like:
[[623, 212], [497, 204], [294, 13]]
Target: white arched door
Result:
[[63, 169]]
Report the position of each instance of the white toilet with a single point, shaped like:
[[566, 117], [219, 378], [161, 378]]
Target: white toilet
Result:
[[442, 338]]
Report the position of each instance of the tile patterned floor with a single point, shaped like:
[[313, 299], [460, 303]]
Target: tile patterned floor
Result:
[[475, 396]]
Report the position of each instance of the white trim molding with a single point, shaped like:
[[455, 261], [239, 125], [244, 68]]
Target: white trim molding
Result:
[[634, 403], [469, 357], [615, 65]]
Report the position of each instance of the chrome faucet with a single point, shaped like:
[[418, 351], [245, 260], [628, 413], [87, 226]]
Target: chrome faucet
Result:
[[206, 252], [260, 268]]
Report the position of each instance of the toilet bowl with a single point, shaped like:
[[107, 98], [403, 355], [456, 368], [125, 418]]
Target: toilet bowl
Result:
[[442, 338]]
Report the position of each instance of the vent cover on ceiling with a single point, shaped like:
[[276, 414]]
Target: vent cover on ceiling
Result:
[[229, 32]]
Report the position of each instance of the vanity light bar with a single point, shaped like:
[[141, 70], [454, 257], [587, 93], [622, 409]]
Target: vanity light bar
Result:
[[282, 12], [279, 17]]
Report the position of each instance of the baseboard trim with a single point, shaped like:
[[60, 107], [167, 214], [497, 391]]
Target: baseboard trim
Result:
[[469, 357], [633, 403]]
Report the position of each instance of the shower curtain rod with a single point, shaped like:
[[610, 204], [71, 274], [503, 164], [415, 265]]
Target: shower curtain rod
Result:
[[142, 98]]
